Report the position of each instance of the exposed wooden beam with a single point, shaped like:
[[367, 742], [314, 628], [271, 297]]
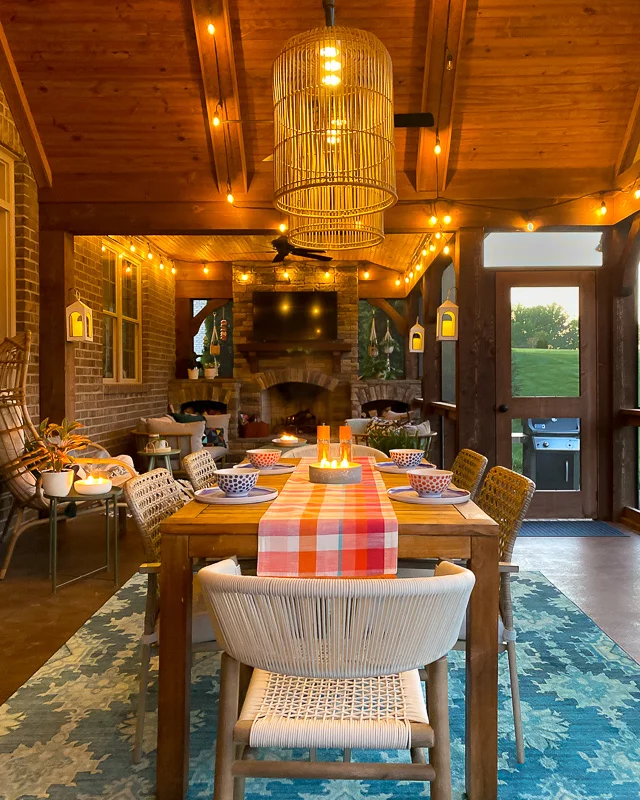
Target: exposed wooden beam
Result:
[[446, 25], [202, 289], [626, 269], [401, 324], [19, 107], [220, 94], [631, 139]]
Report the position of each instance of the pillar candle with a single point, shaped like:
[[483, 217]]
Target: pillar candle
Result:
[[324, 442]]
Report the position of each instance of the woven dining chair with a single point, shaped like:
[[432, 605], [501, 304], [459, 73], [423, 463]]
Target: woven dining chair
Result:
[[201, 469], [468, 470], [151, 498], [505, 496], [335, 665]]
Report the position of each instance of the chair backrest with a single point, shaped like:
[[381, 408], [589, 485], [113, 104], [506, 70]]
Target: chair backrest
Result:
[[505, 496], [151, 498], [201, 469], [357, 450], [468, 470], [336, 628]]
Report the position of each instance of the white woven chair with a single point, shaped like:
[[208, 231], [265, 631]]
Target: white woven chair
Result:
[[152, 498], [335, 665], [357, 451], [201, 469]]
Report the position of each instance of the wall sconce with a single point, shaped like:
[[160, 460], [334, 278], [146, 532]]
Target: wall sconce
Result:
[[79, 321], [416, 338], [447, 321]]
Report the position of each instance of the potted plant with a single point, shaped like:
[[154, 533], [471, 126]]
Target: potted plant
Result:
[[193, 370], [211, 369], [53, 453]]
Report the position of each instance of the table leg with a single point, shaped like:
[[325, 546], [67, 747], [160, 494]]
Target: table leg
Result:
[[481, 749], [167, 463], [115, 540], [152, 463], [172, 763], [53, 542], [107, 505]]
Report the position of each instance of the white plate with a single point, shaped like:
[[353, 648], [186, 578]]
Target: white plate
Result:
[[389, 466], [450, 497], [215, 496], [289, 443], [277, 469]]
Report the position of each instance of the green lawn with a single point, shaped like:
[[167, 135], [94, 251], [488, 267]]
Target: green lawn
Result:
[[545, 373]]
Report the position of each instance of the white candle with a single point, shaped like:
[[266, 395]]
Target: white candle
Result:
[[93, 486]]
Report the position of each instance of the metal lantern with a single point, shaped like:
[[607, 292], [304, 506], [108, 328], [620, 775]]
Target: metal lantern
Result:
[[416, 338], [447, 321], [334, 153], [79, 321]]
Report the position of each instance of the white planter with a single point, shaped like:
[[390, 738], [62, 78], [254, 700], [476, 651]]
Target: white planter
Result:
[[193, 374], [58, 484], [210, 373]]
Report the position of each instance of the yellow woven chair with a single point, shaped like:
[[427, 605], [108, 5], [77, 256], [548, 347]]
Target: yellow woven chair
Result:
[[468, 470]]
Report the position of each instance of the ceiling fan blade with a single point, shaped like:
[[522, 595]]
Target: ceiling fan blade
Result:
[[278, 258], [310, 254], [417, 120]]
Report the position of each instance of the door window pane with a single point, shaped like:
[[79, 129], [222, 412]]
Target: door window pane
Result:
[[543, 249], [548, 452], [129, 289], [109, 280], [108, 350], [129, 334], [545, 358]]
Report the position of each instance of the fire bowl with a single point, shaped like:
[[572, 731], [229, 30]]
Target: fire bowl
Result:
[[335, 475]]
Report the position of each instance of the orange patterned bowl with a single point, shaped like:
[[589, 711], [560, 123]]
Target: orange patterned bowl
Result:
[[431, 482], [264, 458]]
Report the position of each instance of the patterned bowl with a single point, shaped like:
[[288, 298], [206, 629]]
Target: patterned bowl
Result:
[[406, 458], [237, 483], [428, 483], [264, 458]]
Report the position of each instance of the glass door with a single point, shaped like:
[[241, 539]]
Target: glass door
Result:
[[546, 391]]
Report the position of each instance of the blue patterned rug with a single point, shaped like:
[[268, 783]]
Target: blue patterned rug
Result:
[[571, 528], [67, 732]]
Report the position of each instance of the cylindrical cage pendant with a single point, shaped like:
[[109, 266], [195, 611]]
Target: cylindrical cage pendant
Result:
[[333, 128], [346, 233]]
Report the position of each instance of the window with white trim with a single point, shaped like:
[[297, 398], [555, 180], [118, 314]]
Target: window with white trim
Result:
[[7, 248], [121, 333]]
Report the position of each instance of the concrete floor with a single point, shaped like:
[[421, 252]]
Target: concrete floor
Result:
[[600, 575]]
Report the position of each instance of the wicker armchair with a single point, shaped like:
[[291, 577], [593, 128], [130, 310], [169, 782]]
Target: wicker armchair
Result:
[[201, 469], [468, 470], [152, 498], [505, 496], [328, 655]]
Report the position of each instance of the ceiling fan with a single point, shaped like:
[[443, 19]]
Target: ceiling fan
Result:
[[284, 248]]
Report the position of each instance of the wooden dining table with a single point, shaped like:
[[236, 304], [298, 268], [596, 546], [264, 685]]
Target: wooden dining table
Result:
[[435, 531]]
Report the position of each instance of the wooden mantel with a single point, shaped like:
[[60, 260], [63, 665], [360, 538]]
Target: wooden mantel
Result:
[[253, 350]]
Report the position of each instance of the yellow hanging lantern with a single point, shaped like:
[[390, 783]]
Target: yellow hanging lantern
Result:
[[447, 321], [416, 338], [79, 321]]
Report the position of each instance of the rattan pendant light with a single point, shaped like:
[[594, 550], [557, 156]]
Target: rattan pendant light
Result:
[[334, 164]]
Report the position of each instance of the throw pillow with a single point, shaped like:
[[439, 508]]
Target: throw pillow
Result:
[[188, 417], [215, 437], [377, 423]]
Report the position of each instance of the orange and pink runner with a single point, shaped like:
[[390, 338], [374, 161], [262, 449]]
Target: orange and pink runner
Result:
[[313, 530]]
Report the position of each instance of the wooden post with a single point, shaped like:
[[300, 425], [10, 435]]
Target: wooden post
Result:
[[476, 373], [57, 356], [431, 365]]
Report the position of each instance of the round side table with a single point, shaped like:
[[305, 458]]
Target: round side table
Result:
[[162, 454]]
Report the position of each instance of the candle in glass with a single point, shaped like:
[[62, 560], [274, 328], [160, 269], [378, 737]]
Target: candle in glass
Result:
[[345, 444], [324, 442]]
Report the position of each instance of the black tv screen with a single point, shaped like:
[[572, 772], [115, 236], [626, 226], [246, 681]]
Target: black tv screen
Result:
[[295, 316]]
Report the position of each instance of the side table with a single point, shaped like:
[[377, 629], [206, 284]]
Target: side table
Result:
[[162, 454], [110, 500]]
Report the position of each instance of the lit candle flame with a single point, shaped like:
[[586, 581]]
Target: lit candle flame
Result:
[[334, 464], [287, 437], [344, 463], [91, 480]]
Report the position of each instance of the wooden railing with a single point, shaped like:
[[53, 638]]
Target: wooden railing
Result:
[[446, 410]]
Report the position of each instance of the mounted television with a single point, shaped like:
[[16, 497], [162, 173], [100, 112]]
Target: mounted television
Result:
[[295, 316]]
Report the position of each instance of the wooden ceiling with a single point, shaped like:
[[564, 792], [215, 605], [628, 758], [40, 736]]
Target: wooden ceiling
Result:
[[542, 104]]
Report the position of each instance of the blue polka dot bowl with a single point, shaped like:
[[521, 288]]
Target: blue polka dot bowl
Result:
[[405, 458], [237, 483]]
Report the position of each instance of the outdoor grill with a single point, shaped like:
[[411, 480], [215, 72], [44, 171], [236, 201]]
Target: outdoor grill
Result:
[[551, 452]]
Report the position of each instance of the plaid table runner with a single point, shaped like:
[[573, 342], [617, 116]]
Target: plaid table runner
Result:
[[312, 530]]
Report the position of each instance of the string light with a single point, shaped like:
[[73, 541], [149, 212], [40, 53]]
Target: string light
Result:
[[418, 267], [211, 29], [603, 208], [282, 227], [327, 274], [173, 269], [285, 275], [406, 279], [432, 247], [366, 275], [447, 219], [530, 226], [449, 60], [229, 195], [132, 247], [433, 220], [411, 275], [216, 118], [637, 193], [244, 277], [103, 248], [398, 281], [149, 253], [128, 268], [438, 147], [446, 249], [438, 235], [424, 252], [205, 270], [161, 265]]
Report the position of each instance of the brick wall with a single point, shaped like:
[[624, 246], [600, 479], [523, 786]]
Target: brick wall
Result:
[[111, 411], [26, 255]]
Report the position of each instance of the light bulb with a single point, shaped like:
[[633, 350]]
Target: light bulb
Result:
[[132, 247], [447, 219], [446, 249], [127, 268], [150, 255], [397, 281], [449, 60], [161, 265], [173, 270], [637, 194], [438, 235], [244, 277], [432, 247], [603, 208], [329, 52], [327, 274], [424, 252], [216, 119], [433, 219], [418, 267], [332, 66], [211, 28], [103, 248], [406, 279], [366, 275], [205, 270], [282, 227], [229, 197], [438, 147], [285, 275], [331, 80], [411, 275], [530, 226]]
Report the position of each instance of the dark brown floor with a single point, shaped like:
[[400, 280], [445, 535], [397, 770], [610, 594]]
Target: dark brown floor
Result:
[[34, 622], [600, 575]]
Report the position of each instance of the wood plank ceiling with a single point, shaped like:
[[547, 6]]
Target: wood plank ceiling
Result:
[[541, 105]]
